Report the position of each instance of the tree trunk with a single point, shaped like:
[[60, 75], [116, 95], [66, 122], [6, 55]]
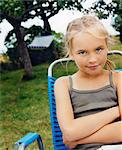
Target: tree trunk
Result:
[[54, 51], [47, 27], [19, 31], [48, 31]]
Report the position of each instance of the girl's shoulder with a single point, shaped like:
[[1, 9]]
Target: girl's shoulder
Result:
[[116, 73], [62, 79], [62, 82], [117, 76]]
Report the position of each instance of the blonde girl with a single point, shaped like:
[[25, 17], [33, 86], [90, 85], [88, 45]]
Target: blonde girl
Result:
[[89, 102]]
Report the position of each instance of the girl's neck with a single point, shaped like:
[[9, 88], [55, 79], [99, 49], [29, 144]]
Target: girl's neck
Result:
[[80, 74]]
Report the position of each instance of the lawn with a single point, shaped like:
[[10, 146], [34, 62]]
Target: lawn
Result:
[[24, 105]]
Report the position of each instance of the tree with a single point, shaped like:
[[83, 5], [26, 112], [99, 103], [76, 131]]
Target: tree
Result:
[[113, 8], [118, 18], [11, 44], [13, 52], [18, 11]]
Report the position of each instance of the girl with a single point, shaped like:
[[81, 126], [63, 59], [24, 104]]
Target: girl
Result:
[[89, 102]]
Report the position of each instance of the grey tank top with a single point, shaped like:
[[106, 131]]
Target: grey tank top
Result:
[[92, 101]]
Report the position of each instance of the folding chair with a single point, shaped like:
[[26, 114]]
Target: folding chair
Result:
[[56, 132]]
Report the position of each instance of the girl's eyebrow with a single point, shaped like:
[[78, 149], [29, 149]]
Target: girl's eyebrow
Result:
[[80, 50], [101, 46]]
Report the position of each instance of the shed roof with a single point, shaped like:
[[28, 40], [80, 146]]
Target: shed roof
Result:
[[41, 42]]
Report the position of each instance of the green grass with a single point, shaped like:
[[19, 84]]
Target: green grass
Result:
[[24, 105]]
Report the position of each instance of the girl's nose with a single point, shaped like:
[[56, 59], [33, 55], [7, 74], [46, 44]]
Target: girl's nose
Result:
[[92, 59]]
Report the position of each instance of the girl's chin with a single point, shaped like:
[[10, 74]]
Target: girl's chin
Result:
[[93, 71]]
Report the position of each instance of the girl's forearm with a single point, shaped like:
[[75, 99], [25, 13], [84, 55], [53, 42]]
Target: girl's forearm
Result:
[[121, 112], [120, 108], [119, 91], [90, 124], [111, 133]]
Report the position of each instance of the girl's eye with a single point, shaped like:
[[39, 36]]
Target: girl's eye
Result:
[[98, 50], [82, 53]]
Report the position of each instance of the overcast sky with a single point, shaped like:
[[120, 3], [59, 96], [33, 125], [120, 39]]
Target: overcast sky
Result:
[[58, 23]]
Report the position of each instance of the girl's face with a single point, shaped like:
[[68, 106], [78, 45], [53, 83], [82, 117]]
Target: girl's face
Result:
[[89, 53]]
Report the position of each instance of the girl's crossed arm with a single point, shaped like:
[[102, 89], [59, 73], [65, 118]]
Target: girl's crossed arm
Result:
[[111, 133], [75, 129], [119, 90]]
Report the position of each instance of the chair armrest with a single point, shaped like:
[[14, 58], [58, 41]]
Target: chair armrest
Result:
[[27, 140]]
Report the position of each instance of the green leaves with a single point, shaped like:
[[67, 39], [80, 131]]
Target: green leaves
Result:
[[11, 7], [114, 8]]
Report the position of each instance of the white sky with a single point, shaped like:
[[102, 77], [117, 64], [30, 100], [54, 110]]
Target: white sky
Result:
[[58, 23]]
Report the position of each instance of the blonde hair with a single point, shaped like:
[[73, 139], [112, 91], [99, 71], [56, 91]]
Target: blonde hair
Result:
[[89, 24]]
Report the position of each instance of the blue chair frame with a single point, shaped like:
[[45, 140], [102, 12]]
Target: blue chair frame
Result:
[[56, 131], [27, 140]]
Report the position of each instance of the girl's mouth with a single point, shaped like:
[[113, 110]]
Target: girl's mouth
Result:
[[93, 67]]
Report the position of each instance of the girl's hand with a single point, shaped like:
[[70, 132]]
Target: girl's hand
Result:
[[69, 144]]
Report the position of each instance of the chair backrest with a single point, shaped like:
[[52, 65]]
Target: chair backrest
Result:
[[56, 132]]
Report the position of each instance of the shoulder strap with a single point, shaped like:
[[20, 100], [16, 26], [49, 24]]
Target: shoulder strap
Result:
[[70, 82], [111, 79]]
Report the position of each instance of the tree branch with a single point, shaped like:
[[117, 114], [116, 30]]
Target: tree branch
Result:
[[26, 4], [53, 13], [2, 16], [13, 21], [52, 9], [31, 8]]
